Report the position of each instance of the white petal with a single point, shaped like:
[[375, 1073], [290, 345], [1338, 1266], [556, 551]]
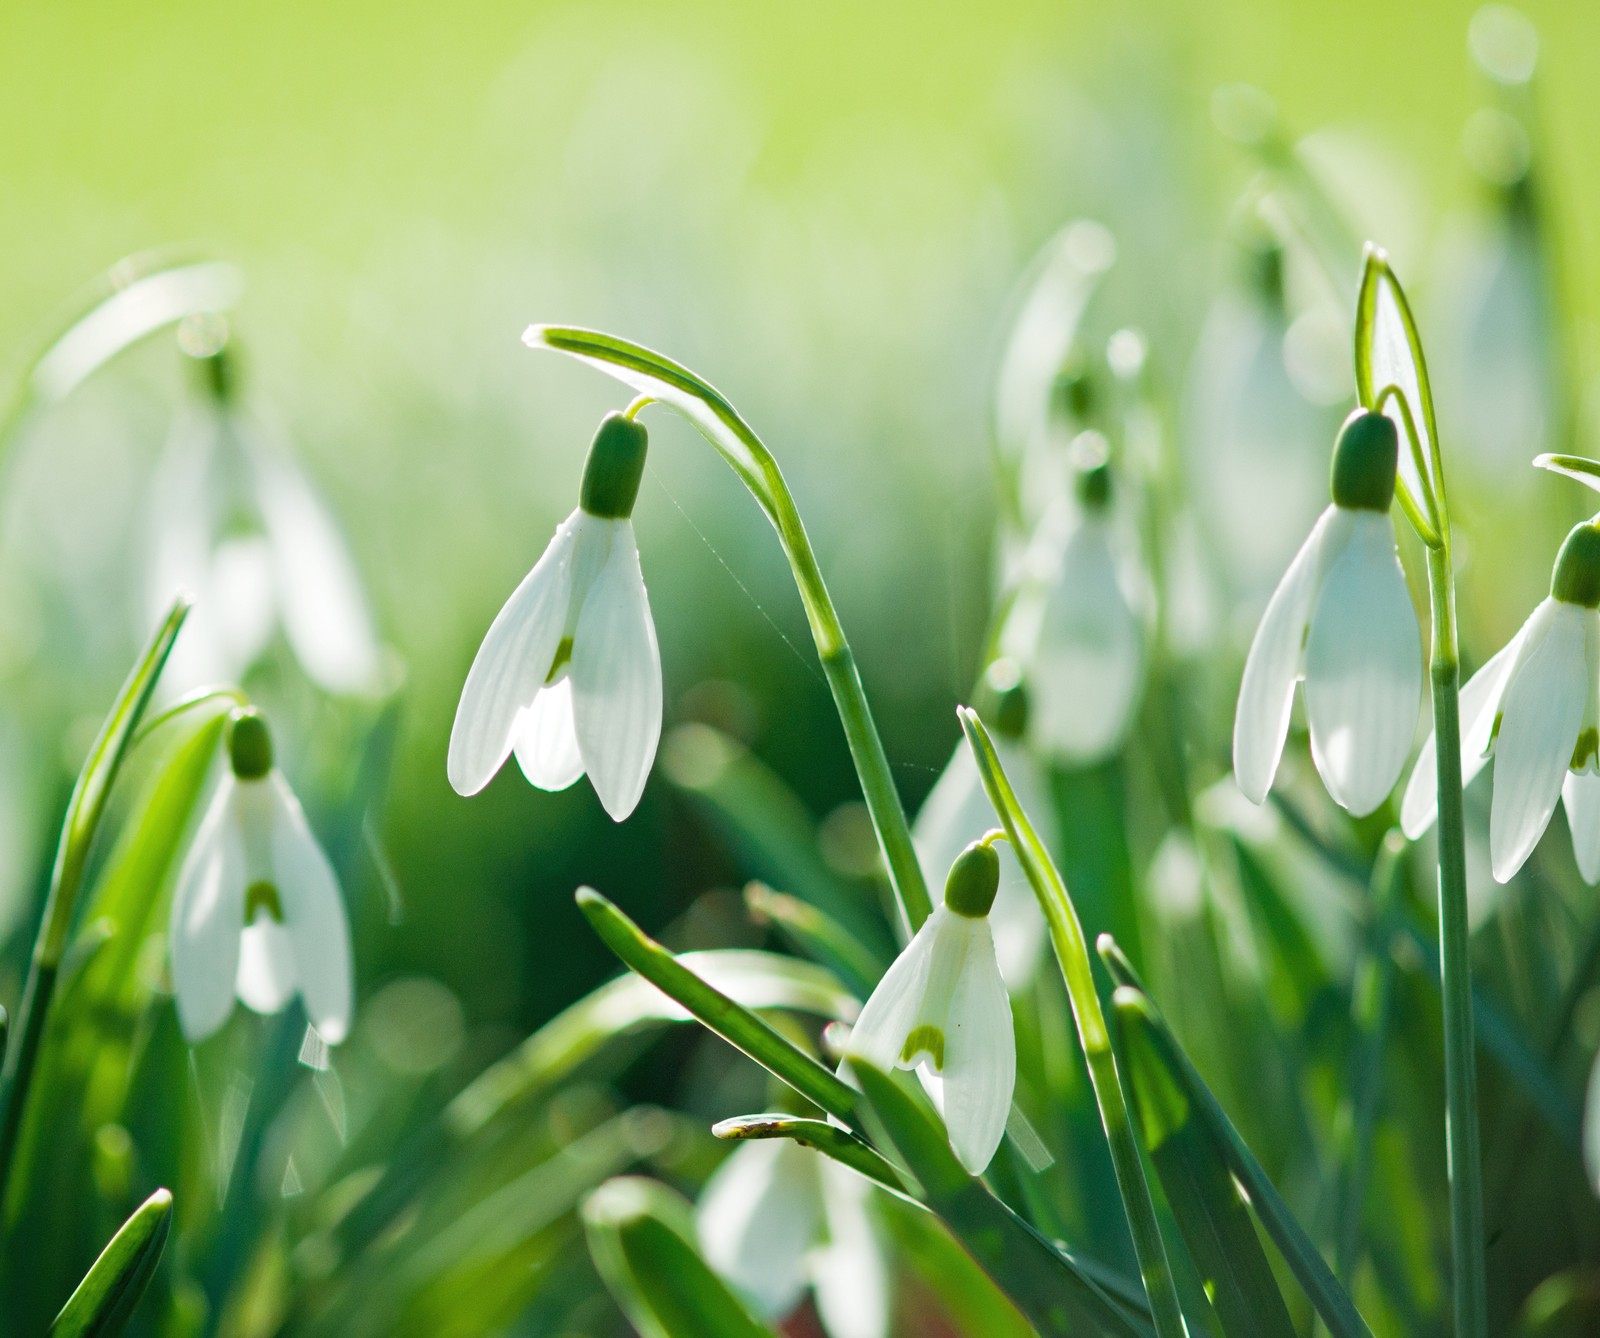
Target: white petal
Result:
[[266, 980], [1480, 700], [511, 665], [1087, 665], [207, 915], [1266, 693], [757, 1217], [616, 679], [1394, 364], [980, 1070], [314, 915], [888, 1016], [547, 740], [849, 1273], [320, 599], [1539, 721], [1580, 793], [237, 597], [1363, 668]]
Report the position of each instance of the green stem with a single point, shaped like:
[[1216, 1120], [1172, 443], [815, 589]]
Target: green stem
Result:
[[657, 377], [1460, 1067], [1072, 952]]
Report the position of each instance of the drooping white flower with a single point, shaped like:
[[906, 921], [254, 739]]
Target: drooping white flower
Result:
[[942, 1007], [1535, 707], [777, 1217], [257, 912], [569, 674], [1075, 626], [236, 522], [957, 812], [1342, 619]]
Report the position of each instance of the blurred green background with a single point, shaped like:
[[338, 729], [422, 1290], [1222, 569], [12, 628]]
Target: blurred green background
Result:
[[823, 208]]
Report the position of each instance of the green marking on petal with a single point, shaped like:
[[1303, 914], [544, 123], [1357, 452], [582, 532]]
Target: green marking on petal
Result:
[[259, 897], [924, 1040], [562, 659], [1587, 749], [1576, 579]]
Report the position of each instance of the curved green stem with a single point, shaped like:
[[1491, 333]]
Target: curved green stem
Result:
[[656, 377]]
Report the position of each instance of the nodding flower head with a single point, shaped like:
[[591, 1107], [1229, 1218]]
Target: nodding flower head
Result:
[[257, 914], [569, 673]]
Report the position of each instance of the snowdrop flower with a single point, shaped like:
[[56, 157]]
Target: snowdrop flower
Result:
[[1074, 626], [942, 1007], [1536, 707], [240, 525], [257, 912], [957, 811], [569, 675], [1342, 619], [777, 1217]]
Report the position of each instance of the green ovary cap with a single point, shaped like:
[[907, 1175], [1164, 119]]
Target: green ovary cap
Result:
[[973, 881], [1364, 460], [616, 464], [1576, 579], [1002, 698], [249, 744]]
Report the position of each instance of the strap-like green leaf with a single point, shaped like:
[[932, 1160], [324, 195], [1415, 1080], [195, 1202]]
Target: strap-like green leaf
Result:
[[104, 1300], [829, 1139], [1331, 1300], [1053, 1291], [1205, 1201], [640, 1239], [732, 1021]]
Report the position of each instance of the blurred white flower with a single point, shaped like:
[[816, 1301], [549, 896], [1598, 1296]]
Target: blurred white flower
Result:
[[1075, 626], [777, 1217], [569, 673], [1342, 619], [942, 1007], [257, 911], [957, 812], [1536, 707], [237, 523]]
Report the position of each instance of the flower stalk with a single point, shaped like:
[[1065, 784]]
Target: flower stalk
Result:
[[1392, 377]]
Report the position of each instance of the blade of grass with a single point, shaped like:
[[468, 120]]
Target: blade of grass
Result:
[[104, 1300], [829, 1139]]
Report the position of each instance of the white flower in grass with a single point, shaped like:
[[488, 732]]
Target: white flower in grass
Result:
[[569, 674], [257, 912], [942, 1007], [777, 1217], [1342, 619], [1535, 707], [236, 521], [1075, 625], [957, 812]]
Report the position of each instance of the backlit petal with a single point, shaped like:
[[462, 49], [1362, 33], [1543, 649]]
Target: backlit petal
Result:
[[1539, 721], [616, 679], [511, 665], [757, 1218], [266, 980], [849, 1272], [314, 914], [1266, 693], [207, 915], [891, 1012], [980, 1070], [1580, 795], [1480, 700], [547, 740], [1363, 668]]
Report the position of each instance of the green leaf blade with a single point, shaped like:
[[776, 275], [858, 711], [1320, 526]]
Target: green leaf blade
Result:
[[105, 1299]]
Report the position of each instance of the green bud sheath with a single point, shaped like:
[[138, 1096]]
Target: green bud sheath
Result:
[[973, 881], [616, 464], [1093, 487], [1364, 460], [1576, 579], [1002, 699], [249, 744]]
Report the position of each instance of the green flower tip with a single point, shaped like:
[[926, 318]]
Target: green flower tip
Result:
[[1364, 460], [1576, 579], [1003, 699], [249, 744], [1074, 396], [616, 464], [974, 879], [262, 898], [1090, 457]]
